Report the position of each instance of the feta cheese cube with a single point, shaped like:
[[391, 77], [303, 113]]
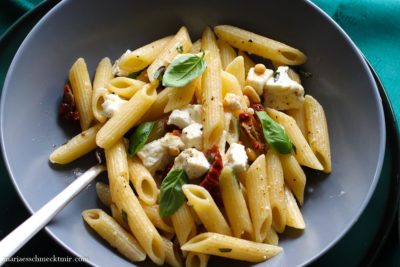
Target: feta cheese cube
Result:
[[184, 117], [192, 136], [112, 103], [193, 162], [258, 81], [233, 102], [281, 92], [236, 157], [156, 155]]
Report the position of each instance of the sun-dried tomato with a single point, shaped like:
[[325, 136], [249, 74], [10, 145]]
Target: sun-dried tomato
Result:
[[251, 128], [68, 112], [211, 180], [257, 107]]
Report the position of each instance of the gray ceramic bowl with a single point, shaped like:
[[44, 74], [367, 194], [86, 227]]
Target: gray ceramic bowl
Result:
[[93, 29]]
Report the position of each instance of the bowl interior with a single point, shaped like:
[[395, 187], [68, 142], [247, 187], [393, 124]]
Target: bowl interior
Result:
[[94, 29]]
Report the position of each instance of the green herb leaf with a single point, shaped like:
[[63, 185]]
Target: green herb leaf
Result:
[[158, 75], [183, 70], [225, 250], [179, 49], [135, 74], [171, 194], [139, 137], [274, 134]]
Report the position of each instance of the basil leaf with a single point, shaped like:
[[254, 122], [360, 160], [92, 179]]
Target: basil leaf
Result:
[[171, 194], [274, 134], [134, 75], [183, 70], [139, 137]]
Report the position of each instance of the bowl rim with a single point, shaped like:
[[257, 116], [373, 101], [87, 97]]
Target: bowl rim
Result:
[[311, 5]]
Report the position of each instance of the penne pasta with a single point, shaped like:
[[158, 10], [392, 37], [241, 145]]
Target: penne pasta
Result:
[[298, 115], [295, 177], [117, 215], [82, 90], [276, 190], [125, 200], [133, 61], [226, 52], [102, 77], [125, 87], [143, 182], [128, 115], [318, 136], [302, 150], [182, 96], [103, 193], [183, 223], [206, 209], [211, 83], [247, 61], [272, 237], [236, 68], [172, 257], [235, 204], [75, 148], [196, 260], [196, 47], [156, 111], [231, 247], [153, 213], [170, 50], [294, 216], [114, 234], [260, 45], [258, 198]]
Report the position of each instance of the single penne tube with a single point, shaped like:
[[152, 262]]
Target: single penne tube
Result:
[[196, 259], [117, 215], [196, 47], [294, 216], [82, 90], [213, 112], [259, 45], [272, 237], [102, 77], [248, 62], [103, 193], [236, 68], [78, 146], [127, 117], [153, 213], [136, 60], [143, 182], [126, 201], [231, 85], [114, 234], [235, 204], [124, 87], [183, 223], [172, 257], [317, 127], [295, 178], [298, 115], [231, 247], [180, 43], [226, 52], [206, 209], [258, 198], [276, 185], [302, 149], [182, 96]]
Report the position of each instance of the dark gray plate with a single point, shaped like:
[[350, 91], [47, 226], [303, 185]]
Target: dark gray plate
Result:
[[93, 29]]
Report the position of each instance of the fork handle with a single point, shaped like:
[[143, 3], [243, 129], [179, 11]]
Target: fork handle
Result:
[[23, 233]]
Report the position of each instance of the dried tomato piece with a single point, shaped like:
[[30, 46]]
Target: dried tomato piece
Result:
[[257, 107], [211, 180], [251, 127], [68, 112]]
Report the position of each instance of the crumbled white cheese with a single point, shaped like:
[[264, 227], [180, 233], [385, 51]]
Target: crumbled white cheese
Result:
[[184, 117], [233, 102], [112, 103], [193, 162], [281, 92], [236, 157], [192, 136], [116, 71], [258, 81], [155, 155]]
